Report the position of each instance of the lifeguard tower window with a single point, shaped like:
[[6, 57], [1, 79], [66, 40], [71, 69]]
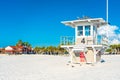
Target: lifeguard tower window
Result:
[[80, 30], [94, 31], [87, 30]]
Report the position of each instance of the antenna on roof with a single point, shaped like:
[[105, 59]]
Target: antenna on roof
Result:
[[86, 17]]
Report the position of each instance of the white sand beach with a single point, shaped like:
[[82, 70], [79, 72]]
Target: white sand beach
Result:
[[44, 67]]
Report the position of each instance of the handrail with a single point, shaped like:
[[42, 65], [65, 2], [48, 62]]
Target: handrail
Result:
[[70, 40], [67, 40]]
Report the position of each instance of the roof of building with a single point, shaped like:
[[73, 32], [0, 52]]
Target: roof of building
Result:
[[14, 47], [83, 21]]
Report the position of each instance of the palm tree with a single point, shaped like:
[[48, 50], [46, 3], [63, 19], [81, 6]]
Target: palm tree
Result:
[[37, 49], [19, 43], [61, 51], [50, 50], [43, 50], [27, 44], [115, 48], [118, 48], [40, 50]]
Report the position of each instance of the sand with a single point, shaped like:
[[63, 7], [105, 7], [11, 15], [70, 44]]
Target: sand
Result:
[[44, 67]]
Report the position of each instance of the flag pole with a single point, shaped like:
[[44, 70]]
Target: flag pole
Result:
[[107, 11], [107, 20]]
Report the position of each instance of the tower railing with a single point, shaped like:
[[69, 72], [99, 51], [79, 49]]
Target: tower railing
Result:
[[67, 40], [70, 40]]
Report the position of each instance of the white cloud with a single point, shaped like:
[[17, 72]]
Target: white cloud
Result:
[[115, 41], [114, 38], [119, 36]]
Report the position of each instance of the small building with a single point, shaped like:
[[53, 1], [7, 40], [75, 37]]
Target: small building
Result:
[[14, 49], [10, 49], [18, 50], [86, 46], [2, 50]]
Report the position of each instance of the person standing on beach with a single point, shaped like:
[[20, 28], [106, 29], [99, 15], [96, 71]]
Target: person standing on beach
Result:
[[82, 57]]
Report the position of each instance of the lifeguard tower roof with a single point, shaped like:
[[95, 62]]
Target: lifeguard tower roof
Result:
[[83, 21]]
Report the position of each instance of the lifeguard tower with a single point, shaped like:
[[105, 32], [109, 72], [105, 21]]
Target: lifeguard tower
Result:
[[86, 40]]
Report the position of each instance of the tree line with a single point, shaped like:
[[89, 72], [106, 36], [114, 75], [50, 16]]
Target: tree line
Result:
[[50, 50], [114, 49]]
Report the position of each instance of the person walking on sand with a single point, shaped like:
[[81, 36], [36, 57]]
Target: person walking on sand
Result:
[[82, 57]]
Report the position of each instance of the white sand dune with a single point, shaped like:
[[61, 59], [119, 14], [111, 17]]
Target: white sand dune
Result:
[[42, 67]]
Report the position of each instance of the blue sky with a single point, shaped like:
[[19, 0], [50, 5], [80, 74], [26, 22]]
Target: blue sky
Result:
[[38, 21]]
